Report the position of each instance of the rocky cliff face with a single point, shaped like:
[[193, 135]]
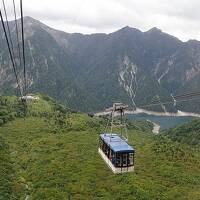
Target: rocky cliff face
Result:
[[90, 72]]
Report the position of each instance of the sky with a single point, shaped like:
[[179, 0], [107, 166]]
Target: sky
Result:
[[180, 18]]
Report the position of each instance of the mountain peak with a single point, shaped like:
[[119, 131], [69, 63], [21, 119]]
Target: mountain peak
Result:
[[30, 23], [28, 19], [154, 30], [128, 29], [193, 41]]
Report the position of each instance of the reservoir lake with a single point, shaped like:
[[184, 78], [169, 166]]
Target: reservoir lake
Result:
[[164, 122]]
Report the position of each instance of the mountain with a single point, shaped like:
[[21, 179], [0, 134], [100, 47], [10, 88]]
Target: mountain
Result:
[[90, 72]]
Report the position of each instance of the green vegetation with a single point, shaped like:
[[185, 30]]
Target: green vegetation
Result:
[[143, 126], [188, 133], [10, 107], [7, 173], [46, 164]]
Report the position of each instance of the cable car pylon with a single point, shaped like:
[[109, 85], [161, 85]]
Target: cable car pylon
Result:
[[113, 147]]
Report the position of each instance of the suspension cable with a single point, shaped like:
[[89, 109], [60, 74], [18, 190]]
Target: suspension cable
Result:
[[168, 102], [187, 95], [23, 47], [17, 34], [9, 33], [10, 52]]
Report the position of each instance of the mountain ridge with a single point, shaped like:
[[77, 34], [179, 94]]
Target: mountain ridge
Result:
[[90, 72], [28, 19]]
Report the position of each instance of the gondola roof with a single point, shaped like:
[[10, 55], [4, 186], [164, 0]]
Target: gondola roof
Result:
[[116, 143]]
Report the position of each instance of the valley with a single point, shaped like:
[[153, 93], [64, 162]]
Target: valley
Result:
[[99, 111], [161, 120]]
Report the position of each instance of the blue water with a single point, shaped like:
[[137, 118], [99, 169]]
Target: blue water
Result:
[[163, 121]]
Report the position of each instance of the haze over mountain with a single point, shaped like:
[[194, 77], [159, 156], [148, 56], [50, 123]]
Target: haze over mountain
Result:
[[90, 72]]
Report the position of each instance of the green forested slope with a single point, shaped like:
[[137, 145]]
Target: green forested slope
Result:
[[188, 133], [64, 163]]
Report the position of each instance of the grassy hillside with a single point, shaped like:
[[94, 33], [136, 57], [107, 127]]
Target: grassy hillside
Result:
[[7, 173], [64, 164], [188, 133]]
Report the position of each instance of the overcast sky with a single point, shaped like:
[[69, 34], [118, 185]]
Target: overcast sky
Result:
[[180, 18]]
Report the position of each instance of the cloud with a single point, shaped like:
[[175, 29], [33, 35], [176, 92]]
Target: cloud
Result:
[[177, 17]]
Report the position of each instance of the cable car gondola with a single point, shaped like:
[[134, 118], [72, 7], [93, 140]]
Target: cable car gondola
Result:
[[113, 148]]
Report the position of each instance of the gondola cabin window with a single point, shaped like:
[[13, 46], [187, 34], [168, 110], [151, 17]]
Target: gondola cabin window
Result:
[[118, 155]]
